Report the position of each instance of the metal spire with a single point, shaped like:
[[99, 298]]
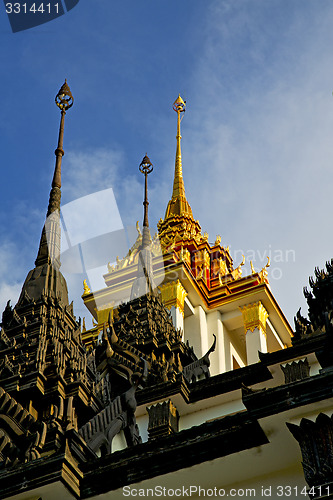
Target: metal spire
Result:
[[46, 278], [64, 100], [49, 248], [146, 167], [144, 283]]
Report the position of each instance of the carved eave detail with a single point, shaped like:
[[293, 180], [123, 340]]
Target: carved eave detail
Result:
[[173, 295], [254, 317]]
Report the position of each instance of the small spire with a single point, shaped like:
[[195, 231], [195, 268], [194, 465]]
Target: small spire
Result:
[[146, 167], [144, 283], [49, 248], [46, 278], [178, 184], [178, 205], [64, 100]]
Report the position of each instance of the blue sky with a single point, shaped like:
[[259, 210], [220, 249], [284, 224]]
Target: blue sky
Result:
[[257, 145]]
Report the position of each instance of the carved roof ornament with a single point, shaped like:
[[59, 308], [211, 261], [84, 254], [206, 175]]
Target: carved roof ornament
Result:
[[320, 305], [315, 441], [199, 367], [86, 289]]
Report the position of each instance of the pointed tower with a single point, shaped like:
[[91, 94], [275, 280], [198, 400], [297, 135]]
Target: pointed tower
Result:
[[144, 283], [43, 362], [46, 278], [178, 218]]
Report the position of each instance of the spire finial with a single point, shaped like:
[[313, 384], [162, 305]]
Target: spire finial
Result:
[[64, 100], [178, 185], [49, 248], [146, 167]]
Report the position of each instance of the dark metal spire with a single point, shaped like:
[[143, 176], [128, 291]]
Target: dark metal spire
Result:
[[144, 283], [146, 167], [64, 100], [49, 248], [46, 278]]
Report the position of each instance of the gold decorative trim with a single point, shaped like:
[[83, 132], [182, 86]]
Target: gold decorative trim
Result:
[[86, 289], [254, 316], [173, 295]]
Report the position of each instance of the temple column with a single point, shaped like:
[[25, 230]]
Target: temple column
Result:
[[173, 297], [254, 319], [218, 358]]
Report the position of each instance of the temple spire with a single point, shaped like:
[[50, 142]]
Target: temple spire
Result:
[[178, 224], [178, 184], [49, 248], [144, 283], [178, 205], [145, 168], [46, 279]]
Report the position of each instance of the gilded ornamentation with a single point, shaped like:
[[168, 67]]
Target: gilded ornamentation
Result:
[[185, 255], [219, 267], [217, 241], [138, 228], [235, 273], [86, 289], [207, 259], [173, 295], [111, 268], [263, 275], [254, 316]]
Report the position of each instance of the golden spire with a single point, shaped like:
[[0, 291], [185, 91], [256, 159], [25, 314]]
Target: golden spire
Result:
[[178, 183], [178, 205]]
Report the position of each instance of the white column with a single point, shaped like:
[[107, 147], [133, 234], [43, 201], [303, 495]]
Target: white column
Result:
[[196, 331], [177, 318], [219, 358]]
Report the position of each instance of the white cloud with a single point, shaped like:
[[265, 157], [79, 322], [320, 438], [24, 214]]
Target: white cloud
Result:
[[11, 271], [86, 172]]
